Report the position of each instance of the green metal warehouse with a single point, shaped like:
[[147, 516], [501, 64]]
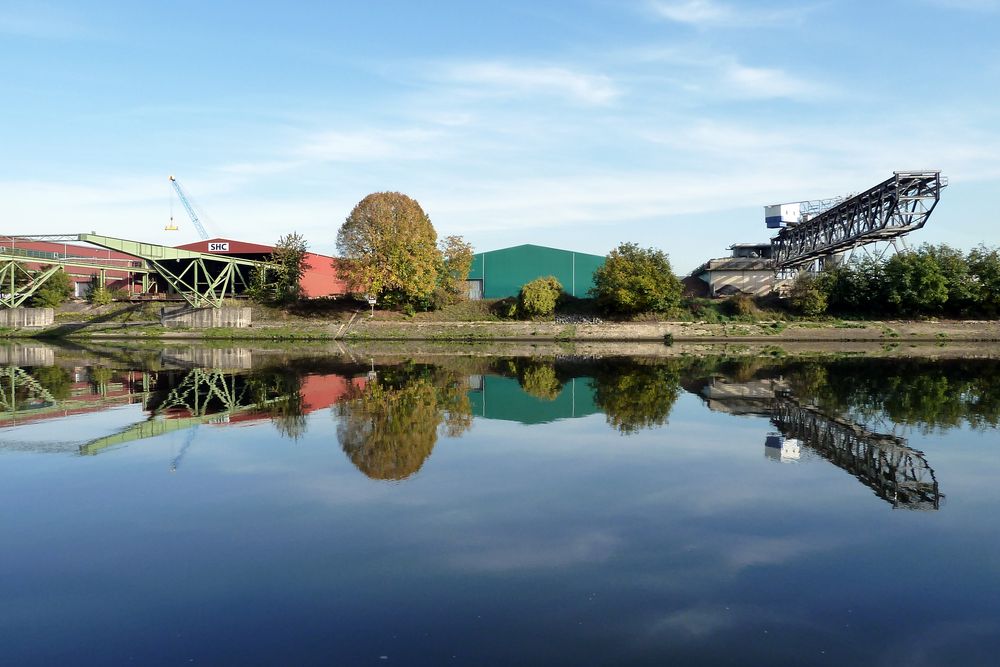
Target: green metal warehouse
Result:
[[497, 274]]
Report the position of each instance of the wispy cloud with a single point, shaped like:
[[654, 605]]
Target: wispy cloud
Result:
[[370, 145], [967, 5], [502, 79], [706, 13], [770, 83]]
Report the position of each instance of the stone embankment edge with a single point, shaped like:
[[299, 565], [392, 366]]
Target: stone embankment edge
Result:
[[898, 332]]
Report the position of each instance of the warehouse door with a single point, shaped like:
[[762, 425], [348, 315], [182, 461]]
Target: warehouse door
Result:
[[475, 289]]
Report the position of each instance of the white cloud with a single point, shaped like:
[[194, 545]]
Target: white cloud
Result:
[[369, 145], [770, 83], [505, 79], [967, 5], [705, 13]]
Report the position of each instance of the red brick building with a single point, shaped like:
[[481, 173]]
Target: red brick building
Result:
[[320, 279]]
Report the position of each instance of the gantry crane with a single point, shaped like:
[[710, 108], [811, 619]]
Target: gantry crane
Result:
[[190, 211]]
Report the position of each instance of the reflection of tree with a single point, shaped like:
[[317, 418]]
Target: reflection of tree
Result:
[[637, 394], [537, 377], [55, 379], [389, 428], [929, 394], [278, 392]]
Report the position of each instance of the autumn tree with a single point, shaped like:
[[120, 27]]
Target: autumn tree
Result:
[[456, 262], [389, 249], [636, 280]]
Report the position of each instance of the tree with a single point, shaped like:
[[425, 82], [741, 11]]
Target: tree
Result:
[[954, 267], [807, 295], [456, 262], [539, 297], [54, 291], [282, 284], [389, 249], [984, 265], [914, 283], [636, 280]]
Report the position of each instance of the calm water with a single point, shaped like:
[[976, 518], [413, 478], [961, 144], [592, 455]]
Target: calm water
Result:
[[240, 506]]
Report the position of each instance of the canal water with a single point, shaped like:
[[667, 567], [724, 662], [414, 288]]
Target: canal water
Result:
[[240, 506]]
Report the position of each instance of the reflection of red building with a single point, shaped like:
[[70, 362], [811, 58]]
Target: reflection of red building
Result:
[[85, 396], [320, 279], [47, 252], [318, 393]]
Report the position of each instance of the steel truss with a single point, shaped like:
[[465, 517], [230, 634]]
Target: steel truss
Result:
[[884, 463], [897, 206], [201, 279], [19, 284]]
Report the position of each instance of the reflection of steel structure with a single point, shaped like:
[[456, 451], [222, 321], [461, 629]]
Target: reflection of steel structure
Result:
[[889, 210], [14, 380], [200, 387], [884, 463]]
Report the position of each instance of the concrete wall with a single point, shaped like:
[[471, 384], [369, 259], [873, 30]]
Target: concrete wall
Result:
[[205, 318], [16, 318]]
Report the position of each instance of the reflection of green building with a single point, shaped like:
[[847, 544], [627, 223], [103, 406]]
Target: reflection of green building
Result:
[[496, 397], [501, 273]]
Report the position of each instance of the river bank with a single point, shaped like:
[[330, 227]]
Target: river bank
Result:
[[365, 329]]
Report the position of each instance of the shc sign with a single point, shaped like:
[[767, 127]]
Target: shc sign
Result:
[[218, 247]]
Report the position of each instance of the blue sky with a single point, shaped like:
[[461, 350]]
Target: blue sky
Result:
[[668, 123]]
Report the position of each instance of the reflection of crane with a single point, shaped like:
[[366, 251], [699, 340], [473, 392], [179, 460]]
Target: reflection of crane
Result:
[[190, 211], [188, 439]]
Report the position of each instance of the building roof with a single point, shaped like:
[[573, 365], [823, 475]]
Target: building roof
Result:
[[540, 247]]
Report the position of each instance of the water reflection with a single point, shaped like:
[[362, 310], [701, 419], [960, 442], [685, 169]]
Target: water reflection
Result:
[[390, 415], [389, 424]]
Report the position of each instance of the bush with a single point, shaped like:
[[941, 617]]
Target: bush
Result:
[[505, 309], [100, 296], [539, 297], [741, 305], [808, 296]]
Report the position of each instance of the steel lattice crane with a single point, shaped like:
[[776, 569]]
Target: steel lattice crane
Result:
[[190, 211]]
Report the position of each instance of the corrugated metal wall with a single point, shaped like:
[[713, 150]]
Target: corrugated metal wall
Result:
[[504, 271]]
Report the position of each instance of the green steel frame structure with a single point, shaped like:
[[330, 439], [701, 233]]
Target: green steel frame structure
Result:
[[202, 279]]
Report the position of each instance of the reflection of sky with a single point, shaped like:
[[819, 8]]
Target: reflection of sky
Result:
[[560, 543], [77, 428]]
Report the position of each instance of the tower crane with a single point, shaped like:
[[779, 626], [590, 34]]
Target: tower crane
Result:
[[190, 211]]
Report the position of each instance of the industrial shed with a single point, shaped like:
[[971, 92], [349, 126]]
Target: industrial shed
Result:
[[497, 274], [320, 279]]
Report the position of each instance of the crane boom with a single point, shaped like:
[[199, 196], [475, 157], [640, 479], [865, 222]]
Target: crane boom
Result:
[[190, 209]]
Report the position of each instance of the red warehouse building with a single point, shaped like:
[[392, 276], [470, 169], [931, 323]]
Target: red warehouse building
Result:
[[320, 279], [116, 275]]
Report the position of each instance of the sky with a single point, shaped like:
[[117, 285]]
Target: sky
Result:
[[577, 124]]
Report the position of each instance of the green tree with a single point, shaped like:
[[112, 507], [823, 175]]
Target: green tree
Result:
[[389, 249], [808, 295], [984, 266], [281, 284], [53, 292], [954, 267], [539, 297], [636, 280], [915, 283]]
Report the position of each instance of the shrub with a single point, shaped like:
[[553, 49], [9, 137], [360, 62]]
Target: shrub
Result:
[[741, 305], [538, 298], [100, 296], [807, 296]]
